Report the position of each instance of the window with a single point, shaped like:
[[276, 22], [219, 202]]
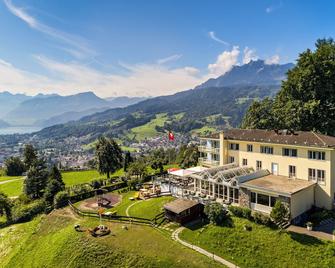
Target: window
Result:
[[291, 171], [250, 148], [253, 197], [231, 159], [317, 175], [258, 165], [290, 152], [311, 174], [321, 176], [216, 157], [244, 162], [263, 199], [266, 150], [234, 146], [272, 201], [316, 155]]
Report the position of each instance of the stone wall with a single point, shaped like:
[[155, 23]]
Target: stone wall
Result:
[[244, 197]]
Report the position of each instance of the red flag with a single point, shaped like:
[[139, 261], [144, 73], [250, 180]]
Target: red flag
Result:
[[171, 136]]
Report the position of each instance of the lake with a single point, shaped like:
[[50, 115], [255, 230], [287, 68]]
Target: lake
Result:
[[18, 130]]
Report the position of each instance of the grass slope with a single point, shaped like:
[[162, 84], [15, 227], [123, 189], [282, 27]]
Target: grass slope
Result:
[[149, 208], [50, 241], [148, 130], [262, 247]]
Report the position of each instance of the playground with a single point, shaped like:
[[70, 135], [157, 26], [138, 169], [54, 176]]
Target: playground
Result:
[[105, 200]]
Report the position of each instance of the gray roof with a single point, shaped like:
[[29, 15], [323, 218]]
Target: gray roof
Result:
[[179, 205], [300, 138]]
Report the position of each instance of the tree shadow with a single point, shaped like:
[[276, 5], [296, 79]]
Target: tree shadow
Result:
[[305, 239]]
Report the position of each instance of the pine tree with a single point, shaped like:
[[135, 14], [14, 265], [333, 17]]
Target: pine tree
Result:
[[108, 156]]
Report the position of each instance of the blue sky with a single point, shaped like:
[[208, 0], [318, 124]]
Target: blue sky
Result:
[[147, 48]]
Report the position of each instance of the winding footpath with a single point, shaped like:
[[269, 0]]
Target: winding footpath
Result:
[[175, 236], [127, 210], [7, 181]]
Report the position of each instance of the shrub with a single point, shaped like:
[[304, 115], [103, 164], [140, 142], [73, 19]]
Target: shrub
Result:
[[240, 212], [22, 213], [96, 184], [24, 199], [247, 227], [279, 212], [61, 199], [215, 213], [261, 218]]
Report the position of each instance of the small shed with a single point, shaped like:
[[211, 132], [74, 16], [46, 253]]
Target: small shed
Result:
[[183, 210]]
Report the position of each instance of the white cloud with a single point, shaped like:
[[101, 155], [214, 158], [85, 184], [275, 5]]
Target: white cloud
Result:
[[215, 38], [273, 8], [224, 62], [272, 60], [249, 55], [72, 78], [169, 59], [78, 46]]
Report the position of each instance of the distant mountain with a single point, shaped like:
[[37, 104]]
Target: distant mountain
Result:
[[253, 73], [68, 116], [119, 102], [222, 105], [9, 101], [33, 110]]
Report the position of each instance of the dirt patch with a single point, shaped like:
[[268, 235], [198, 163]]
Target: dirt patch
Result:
[[108, 201]]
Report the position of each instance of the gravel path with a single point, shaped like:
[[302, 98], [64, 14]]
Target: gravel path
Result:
[[175, 236]]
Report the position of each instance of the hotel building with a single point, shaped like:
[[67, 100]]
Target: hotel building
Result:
[[254, 168]]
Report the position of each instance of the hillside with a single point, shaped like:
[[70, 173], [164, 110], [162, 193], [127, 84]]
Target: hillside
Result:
[[51, 241], [199, 107]]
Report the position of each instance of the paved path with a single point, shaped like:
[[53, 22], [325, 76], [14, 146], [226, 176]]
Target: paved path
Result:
[[175, 236], [18, 179], [316, 234], [127, 210]]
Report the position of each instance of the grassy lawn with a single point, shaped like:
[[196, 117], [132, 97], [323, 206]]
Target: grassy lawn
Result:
[[29, 245], [77, 177], [262, 247], [8, 178], [148, 130], [13, 188], [149, 208]]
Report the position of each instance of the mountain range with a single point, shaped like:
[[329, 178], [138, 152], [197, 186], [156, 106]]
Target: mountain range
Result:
[[46, 110], [217, 102]]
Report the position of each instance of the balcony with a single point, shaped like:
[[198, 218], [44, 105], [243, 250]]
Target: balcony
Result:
[[206, 149], [205, 162]]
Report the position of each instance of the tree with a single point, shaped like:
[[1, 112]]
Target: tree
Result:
[[190, 157], [215, 213], [259, 115], [14, 166], [29, 155], [55, 174], [36, 180], [108, 156], [5, 206], [306, 100], [127, 160], [138, 168], [55, 184], [279, 212]]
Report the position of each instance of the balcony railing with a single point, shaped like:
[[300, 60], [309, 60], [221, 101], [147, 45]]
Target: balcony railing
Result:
[[209, 149], [205, 161]]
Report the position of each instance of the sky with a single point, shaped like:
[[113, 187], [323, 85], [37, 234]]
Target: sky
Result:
[[148, 48]]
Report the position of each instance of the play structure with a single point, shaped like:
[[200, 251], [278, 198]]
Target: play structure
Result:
[[98, 231], [102, 201], [149, 190]]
